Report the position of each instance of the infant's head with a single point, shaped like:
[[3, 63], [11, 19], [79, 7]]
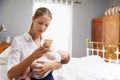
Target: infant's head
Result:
[[65, 57]]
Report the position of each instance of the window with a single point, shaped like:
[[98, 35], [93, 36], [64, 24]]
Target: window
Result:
[[60, 28]]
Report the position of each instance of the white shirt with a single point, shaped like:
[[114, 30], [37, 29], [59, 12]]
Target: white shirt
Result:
[[22, 46]]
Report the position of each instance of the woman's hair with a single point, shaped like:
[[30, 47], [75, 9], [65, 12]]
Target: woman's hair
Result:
[[42, 11]]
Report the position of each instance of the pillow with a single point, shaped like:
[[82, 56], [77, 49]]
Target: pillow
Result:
[[4, 56]]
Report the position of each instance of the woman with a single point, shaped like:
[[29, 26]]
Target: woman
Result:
[[26, 48]]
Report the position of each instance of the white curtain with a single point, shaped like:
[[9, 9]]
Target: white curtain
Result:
[[60, 28]]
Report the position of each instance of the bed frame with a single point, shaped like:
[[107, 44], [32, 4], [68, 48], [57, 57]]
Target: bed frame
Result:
[[107, 50]]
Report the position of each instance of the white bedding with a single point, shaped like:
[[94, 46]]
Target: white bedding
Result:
[[3, 63], [88, 68], [3, 73], [85, 68]]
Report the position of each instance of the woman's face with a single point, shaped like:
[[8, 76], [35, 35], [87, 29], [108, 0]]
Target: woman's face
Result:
[[40, 24]]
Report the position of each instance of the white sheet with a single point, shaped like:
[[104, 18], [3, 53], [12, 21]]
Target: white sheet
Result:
[[4, 56], [3, 72], [109, 71], [88, 68], [85, 68], [3, 64]]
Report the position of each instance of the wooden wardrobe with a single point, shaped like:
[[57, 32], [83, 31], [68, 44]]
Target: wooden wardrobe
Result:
[[106, 29]]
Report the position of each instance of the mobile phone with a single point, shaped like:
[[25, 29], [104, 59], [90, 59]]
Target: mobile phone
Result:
[[48, 42]]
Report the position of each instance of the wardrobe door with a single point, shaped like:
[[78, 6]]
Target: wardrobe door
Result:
[[97, 33], [111, 28], [97, 30], [111, 34]]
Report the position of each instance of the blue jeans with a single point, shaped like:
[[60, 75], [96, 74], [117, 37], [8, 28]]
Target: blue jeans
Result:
[[48, 77]]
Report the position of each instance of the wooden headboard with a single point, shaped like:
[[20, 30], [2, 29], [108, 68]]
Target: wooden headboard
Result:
[[108, 51], [3, 46]]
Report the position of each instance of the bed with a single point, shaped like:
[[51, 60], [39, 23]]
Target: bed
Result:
[[3, 64], [101, 63]]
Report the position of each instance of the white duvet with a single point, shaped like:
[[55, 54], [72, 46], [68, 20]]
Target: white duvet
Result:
[[85, 68], [88, 68]]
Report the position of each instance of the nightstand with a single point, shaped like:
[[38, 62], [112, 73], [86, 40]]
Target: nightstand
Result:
[[3, 46]]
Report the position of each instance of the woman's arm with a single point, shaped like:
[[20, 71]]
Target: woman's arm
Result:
[[47, 66], [52, 65], [18, 69]]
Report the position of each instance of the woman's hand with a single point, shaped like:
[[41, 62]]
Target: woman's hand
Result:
[[40, 68], [46, 66], [40, 51]]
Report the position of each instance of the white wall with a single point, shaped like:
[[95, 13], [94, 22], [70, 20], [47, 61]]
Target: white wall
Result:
[[82, 17], [113, 3], [16, 15]]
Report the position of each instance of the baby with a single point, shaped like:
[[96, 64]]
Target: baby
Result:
[[64, 59], [52, 58]]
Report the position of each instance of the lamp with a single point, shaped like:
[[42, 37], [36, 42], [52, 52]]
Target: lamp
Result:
[[2, 28]]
